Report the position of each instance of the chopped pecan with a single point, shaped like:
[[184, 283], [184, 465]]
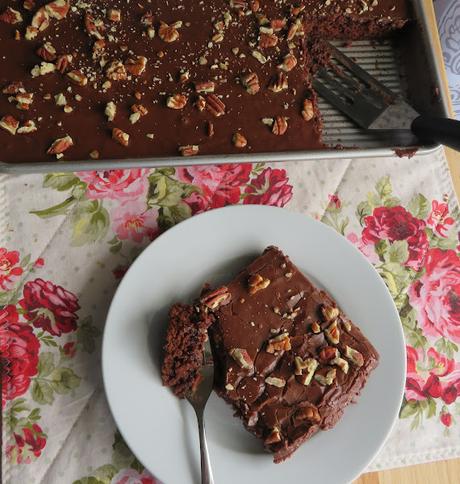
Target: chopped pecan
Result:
[[206, 87], [114, 15], [200, 103], [279, 83], [289, 62], [239, 140], [354, 356], [134, 118], [267, 40], [43, 69], [333, 333], [120, 136], [275, 381], [9, 123], [176, 101], [11, 16], [137, 65], [341, 363], [47, 52], [189, 150], [329, 313], [251, 82], [328, 353], [241, 356], [346, 324], [259, 56], [184, 76], [280, 125], [27, 127], [14, 88], [281, 342], [31, 32], [24, 100], [139, 108], [256, 282], [309, 414], [63, 62], [168, 33], [315, 327], [29, 4], [98, 48], [110, 111], [214, 105], [58, 9], [147, 19], [77, 77], [41, 20], [94, 27], [278, 24], [327, 379], [94, 155], [310, 364], [217, 298], [60, 145], [274, 437], [116, 71], [308, 112], [296, 29]]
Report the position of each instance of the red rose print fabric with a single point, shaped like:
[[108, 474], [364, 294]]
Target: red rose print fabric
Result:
[[436, 295], [50, 307], [19, 348], [106, 218]]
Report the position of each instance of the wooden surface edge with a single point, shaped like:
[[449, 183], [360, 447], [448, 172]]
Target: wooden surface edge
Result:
[[441, 472], [453, 157]]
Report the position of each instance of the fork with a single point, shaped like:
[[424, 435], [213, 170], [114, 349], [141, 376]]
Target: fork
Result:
[[198, 398]]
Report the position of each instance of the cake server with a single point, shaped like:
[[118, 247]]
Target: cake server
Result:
[[372, 106], [198, 398]]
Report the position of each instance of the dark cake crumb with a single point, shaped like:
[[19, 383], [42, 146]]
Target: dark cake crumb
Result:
[[183, 351]]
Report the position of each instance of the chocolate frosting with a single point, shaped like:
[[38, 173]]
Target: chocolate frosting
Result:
[[289, 305]]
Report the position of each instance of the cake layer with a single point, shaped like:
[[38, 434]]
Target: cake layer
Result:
[[100, 80], [287, 359], [183, 350]]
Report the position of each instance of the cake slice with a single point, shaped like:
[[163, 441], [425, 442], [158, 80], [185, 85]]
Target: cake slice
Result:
[[286, 357]]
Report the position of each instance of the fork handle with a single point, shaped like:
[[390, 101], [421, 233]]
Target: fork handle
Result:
[[206, 471], [438, 130]]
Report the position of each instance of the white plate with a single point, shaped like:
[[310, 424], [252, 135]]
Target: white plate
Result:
[[161, 430]]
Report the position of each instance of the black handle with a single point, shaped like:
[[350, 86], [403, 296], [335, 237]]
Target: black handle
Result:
[[438, 130]]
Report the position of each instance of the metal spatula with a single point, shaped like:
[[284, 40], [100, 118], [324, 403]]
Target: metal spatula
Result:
[[373, 106]]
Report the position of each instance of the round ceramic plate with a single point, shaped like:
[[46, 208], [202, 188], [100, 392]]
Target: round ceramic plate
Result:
[[161, 430]]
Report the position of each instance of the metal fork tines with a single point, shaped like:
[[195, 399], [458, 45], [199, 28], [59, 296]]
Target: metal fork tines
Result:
[[198, 398], [351, 89]]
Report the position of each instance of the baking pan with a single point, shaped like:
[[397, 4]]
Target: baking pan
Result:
[[407, 64]]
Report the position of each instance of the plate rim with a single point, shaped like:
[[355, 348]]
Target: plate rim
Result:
[[267, 208]]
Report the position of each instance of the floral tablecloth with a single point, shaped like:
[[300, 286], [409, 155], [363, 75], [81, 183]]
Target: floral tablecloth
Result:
[[67, 239]]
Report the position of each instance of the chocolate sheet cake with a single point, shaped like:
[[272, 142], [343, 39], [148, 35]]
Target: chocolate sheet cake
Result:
[[115, 79], [287, 359]]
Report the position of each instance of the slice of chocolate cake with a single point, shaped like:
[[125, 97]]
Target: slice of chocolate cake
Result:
[[287, 358]]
